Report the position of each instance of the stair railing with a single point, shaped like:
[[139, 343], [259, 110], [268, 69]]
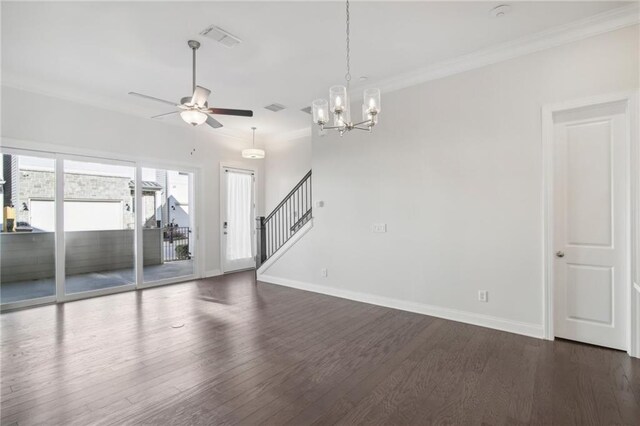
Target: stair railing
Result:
[[289, 216]]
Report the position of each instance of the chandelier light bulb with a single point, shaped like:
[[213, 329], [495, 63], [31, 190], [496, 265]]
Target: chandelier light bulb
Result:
[[338, 99], [320, 111], [372, 100]]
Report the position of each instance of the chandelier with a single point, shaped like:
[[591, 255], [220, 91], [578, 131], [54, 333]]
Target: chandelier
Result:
[[253, 152], [339, 105]]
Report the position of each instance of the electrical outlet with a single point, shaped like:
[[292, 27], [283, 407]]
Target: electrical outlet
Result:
[[323, 272], [483, 295], [379, 227]]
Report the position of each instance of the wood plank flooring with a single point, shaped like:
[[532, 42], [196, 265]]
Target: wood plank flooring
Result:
[[227, 351]]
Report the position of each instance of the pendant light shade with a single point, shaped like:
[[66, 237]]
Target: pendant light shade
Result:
[[253, 153], [320, 111], [372, 101]]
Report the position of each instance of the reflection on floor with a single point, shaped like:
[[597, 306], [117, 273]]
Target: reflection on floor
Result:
[[228, 350], [25, 290]]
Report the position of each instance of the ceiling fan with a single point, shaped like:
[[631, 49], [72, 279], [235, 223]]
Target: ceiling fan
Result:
[[195, 109]]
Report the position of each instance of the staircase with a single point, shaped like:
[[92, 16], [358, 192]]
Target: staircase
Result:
[[289, 217]]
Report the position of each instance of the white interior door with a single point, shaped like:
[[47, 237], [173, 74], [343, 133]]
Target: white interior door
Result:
[[237, 219], [590, 224]]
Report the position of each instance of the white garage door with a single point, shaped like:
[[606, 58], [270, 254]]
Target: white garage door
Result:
[[78, 215]]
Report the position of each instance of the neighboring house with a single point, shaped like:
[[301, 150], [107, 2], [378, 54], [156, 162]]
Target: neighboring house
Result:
[[93, 201], [173, 202]]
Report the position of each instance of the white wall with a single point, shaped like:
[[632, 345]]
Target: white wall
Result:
[[30, 119], [286, 162], [455, 171]]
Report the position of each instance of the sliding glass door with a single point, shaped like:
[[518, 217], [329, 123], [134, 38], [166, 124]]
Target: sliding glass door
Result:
[[27, 240], [99, 226], [75, 227], [168, 224]]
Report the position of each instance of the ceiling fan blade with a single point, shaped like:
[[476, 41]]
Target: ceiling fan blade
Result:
[[226, 111], [151, 98], [165, 114], [200, 96], [213, 122]]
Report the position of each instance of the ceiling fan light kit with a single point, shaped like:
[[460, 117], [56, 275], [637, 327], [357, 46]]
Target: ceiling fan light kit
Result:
[[253, 153], [193, 117], [339, 105], [195, 109]]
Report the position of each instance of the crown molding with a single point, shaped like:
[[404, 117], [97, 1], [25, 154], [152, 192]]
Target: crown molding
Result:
[[290, 135], [610, 20], [601, 23]]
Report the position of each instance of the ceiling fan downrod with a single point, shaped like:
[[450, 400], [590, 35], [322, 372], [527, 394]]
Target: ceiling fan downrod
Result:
[[194, 45]]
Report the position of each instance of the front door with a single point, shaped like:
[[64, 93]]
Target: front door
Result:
[[590, 224], [237, 219]]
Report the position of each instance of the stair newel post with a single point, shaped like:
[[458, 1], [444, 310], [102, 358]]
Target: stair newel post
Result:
[[261, 242]]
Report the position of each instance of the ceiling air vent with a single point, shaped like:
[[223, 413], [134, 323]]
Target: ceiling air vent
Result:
[[307, 110], [275, 107], [220, 35]]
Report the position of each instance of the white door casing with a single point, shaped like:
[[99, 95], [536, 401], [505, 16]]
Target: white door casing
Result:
[[590, 224], [237, 251]]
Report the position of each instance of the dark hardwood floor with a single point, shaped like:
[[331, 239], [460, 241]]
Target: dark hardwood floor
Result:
[[225, 351]]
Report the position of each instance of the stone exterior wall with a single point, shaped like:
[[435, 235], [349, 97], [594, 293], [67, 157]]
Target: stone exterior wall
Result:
[[36, 184], [39, 184]]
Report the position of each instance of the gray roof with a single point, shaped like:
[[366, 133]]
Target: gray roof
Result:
[[147, 185]]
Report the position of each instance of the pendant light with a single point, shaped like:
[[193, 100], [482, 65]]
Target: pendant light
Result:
[[253, 153], [339, 105]]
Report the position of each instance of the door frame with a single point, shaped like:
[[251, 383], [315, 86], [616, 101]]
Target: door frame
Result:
[[223, 205], [633, 214]]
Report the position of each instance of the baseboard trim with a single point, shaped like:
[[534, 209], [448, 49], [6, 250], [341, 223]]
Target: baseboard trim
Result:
[[522, 328], [285, 247], [212, 273]]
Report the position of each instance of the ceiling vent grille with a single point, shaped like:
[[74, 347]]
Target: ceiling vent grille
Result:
[[220, 35], [275, 107], [307, 110]]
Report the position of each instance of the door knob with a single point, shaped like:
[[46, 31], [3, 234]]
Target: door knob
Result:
[[560, 254]]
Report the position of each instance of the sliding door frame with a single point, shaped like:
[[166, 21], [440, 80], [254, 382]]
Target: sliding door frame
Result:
[[61, 295], [59, 154], [47, 299], [194, 206]]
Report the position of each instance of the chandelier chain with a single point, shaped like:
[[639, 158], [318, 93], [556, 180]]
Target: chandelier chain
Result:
[[347, 76]]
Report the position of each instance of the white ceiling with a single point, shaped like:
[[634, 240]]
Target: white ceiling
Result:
[[291, 51]]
